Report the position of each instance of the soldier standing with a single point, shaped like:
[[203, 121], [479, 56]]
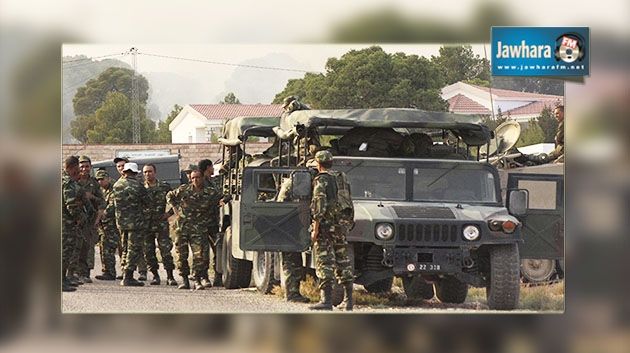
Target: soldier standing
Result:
[[557, 155], [108, 232], [329, 230], [95, 210], [209, 180], [73, 218], [192, 204], [130, 199], [158, 228]]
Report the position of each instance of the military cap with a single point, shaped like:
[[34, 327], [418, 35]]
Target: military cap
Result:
[[101, 174], [287, 101], [190, 168], [323, 156], [119, 159], [85, 159], [131, 167]]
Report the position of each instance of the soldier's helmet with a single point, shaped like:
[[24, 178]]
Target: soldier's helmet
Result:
[[101, 174], [287, 101], [323, 156]]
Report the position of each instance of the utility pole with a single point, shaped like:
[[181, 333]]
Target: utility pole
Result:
[[135, 94]]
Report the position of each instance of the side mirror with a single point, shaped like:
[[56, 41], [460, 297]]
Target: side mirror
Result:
[[301, 184], [518, 202]]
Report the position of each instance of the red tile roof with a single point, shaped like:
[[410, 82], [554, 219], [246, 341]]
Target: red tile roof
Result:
[[505, 93], [463, 104], [223, 111], [532, 108]]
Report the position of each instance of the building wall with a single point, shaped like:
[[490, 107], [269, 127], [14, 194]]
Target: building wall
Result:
[[190, 153]]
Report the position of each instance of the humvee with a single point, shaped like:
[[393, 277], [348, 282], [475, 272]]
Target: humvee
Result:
[[436, 220], [167, 167]]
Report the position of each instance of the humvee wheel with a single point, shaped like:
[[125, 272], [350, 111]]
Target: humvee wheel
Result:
[[263, 271], [381, 286], [417, 288], [537, 270], [503, 289], [236, 272], [451, 290]]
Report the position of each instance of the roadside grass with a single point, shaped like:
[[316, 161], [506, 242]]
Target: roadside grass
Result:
[[536, 298]]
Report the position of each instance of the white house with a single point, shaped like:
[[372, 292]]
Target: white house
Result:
[[197, 122], [465, 98]]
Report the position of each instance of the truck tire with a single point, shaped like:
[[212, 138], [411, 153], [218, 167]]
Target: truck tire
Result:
[[263, 271], [451, 290], [537, 270], [237, 273], [380, 286], [417, 288], [503, 289]]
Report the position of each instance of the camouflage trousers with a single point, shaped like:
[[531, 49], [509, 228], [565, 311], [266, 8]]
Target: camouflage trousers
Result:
[[132, 244], [293, 271], [214, 239], [108, 246], [141, 265], [71, 246], [331, 257], [197, 240], [88, 238], [158, 231]]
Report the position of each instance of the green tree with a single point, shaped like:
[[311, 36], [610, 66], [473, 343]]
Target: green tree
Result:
[[532, 135], [530, 84], [111, 123], [459, 63], [91, 97], [491, 123], [163, 133], [548, 124], [371, 78], [230, 98]]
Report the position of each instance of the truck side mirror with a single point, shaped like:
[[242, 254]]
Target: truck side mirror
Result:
[[518, 202], [301, 184]]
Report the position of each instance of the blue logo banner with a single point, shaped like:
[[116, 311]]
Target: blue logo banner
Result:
[[540, 51]]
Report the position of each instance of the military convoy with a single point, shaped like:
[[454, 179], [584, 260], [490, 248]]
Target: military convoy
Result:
[[435, 216]]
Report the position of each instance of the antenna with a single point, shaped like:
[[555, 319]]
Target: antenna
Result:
[[485, 54], [135, 100]]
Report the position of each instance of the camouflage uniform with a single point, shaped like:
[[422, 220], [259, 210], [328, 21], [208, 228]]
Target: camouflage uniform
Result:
[[130, 202], [213, 228], [558, 153], [158, 228], [109, 236], [90, 234], [73, 217], [194, 207]]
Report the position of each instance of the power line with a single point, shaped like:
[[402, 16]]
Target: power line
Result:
[[224, 63]]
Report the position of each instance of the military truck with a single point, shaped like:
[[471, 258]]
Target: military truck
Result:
[[436, 220]]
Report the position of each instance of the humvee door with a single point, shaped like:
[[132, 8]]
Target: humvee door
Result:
[[268, 225], [543, 223]]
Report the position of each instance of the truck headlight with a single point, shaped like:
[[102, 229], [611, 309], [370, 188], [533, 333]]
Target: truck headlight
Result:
[[471, 232], [384, 231]]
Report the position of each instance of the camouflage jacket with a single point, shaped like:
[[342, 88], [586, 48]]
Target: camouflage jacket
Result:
[[72, 197], [130, 202], [324, 198], [109, 218], [92, 186], [196, 207], [157, 199], [559, 142]]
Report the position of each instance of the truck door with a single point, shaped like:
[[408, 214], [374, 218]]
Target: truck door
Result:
[[543, 223], [268, 225]]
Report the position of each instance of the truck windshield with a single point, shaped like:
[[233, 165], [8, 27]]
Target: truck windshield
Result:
[[375, 182], [453, 184]]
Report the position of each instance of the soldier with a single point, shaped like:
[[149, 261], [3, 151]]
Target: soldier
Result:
[[331, 222], [209, 180], [73, 218], [291, 104], [108, 232], [192, 204], [130, 199], [158, 228], [120, 164], [95, 210], [557, 155]]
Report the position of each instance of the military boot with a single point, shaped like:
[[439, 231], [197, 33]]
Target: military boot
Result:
[[325, 302], [347, 303], [156, 278], [106, 277], [198, 284], [74, 280], [185, 283], [297, 298], [129, 281], [218, 280], [66, 287], [143, 276], [170, 280], [205, 282], [87, 278]]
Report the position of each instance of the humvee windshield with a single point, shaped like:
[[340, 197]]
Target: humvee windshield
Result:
[[453, 184], [382, 181]]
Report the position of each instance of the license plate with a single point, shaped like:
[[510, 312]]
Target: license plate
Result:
[[429, 267]]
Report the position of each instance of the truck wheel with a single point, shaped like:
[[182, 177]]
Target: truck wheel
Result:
[[237, 273], [263, 271], [503, 289], [417, 288], [537, 270], [381, 286], [451, 290]]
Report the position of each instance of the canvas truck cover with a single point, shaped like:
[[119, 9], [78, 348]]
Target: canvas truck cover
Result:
[[338, 121], [235, 130]]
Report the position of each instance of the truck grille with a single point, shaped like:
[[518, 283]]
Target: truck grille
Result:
[[423, 212], [428, 233]]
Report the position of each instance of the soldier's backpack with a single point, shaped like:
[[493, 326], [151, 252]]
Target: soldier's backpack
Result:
[[344, 207]]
